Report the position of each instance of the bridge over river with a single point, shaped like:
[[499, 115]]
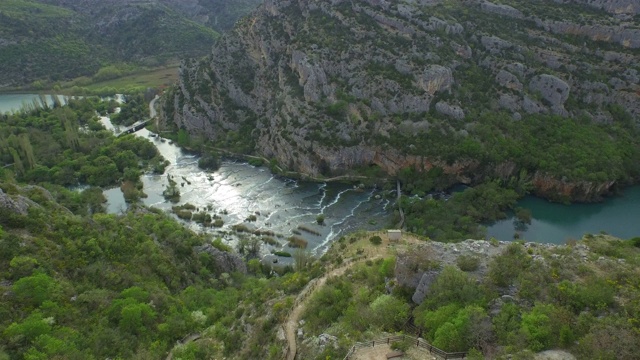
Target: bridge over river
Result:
[[135, 127], [142, 123]]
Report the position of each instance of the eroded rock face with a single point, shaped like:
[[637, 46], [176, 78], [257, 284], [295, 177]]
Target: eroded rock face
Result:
[[453, 111], [509, 80], [226, 262], [626, 37], [435, 78], [630, 7], [20, 205], [424, 285], [323, 87], [501, 9], [552, 89]]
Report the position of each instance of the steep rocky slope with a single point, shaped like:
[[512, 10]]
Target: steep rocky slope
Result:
[[466, 86]]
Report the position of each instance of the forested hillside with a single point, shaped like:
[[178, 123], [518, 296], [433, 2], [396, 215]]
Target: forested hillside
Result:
[[78, 283], [43, 42]]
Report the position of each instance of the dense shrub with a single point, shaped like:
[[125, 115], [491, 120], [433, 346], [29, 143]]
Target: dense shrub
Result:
[[375, 240], [468, 262]]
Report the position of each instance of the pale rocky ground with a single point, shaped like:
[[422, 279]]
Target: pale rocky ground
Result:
[[554, 355], [380, 353]]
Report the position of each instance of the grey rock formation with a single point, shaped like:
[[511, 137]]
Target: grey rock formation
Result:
[[627, 37], [501, 9], [311, 77], [453, 111], [225, 262], [530, 106], [551, 88], [631, 7], [509, 80], [494, 44], [18, 204], [435, 78], [632, 76], [596, 93], [509, 102], [517, 68], [423, 287]]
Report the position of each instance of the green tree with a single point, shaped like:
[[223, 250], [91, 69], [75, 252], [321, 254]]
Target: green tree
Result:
[[21, 266], [389, 312], [183, 138], [536, 327], [507, 323], [452, 286], [29, 329], [463, 331], [136, 318], [35, 289]]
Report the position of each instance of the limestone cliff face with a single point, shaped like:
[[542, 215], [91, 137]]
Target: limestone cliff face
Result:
[[617, 7], [324, 87]]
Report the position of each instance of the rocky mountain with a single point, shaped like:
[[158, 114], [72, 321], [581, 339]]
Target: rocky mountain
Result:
[[544, 90], [53, 40]]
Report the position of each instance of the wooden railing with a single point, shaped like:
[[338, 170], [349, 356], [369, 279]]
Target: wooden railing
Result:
[[414, 341]]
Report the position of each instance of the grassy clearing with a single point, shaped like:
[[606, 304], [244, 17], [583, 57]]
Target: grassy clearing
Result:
[[357, 245], [154, 78]]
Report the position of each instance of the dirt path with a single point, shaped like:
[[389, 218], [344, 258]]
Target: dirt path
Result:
[[379, 352], [291, 325], [361, 249]]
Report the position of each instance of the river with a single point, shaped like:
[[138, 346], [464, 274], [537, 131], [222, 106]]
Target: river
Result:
[[556, 223], [13, 102], [281, 205], [238, 190]]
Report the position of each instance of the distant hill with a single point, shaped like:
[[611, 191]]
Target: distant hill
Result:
[[220, 15], [54, 40]]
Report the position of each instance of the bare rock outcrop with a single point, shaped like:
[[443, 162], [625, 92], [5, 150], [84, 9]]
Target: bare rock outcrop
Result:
[[17, 204], [226, 262], [436, 78], [552, 89], [630, 7], [424, 285], [501, 9], [453, 111]]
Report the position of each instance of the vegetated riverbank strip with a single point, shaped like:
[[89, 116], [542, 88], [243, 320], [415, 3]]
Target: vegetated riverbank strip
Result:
[[154, 77]]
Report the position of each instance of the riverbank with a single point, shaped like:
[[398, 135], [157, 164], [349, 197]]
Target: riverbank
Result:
[[567, 222], [137, 80]]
